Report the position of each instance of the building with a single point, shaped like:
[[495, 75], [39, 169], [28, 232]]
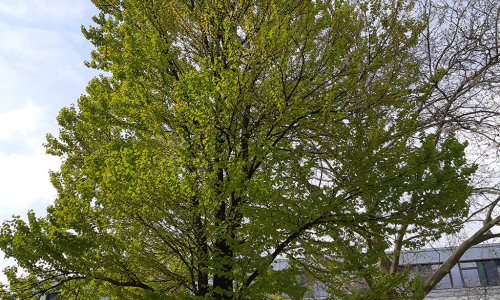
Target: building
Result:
[[476, 276]]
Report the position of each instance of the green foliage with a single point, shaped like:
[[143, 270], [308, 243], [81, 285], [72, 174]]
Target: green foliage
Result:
[[194, 165]]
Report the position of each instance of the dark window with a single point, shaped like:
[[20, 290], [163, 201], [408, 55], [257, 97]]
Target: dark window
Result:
[[413, 271], [52, 296], [491, 271], [425, 272]]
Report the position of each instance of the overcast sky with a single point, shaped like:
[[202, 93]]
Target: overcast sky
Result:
[[42, 51]]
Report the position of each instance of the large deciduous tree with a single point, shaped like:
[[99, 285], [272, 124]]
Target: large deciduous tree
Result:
[[229, 133]]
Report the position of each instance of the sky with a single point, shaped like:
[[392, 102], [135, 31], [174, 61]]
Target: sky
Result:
[[42, 51]]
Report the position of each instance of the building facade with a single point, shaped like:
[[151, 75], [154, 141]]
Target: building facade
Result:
[[475, 277]]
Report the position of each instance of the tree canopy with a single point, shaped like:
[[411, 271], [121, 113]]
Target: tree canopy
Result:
[[457, 55], [226, 134]]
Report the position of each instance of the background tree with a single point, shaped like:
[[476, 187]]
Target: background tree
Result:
[[462, 44], [187, 171], [458, 60]]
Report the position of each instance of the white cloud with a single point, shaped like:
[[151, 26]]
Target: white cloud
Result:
[[24, 180], [40, 10], [8, 75], [45, 54], [22, 121], [24, 185], [41, 70], [42, 66]]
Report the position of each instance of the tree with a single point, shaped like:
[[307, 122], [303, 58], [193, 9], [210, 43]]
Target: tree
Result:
[[458, 59], [465, 101], [190, 169]]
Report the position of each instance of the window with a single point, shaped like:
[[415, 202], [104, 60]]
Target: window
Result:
[[471, 278], [426, 271], [52, 296], [319, 290], [445, 283], [475, 274], [491, 272], [470, 274], [456, 278]]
